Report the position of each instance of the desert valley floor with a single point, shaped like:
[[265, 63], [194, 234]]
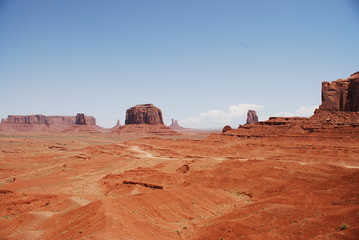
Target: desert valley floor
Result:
[[107, 186]]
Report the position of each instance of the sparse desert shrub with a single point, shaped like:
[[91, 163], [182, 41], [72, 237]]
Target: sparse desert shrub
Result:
[[344, 226]]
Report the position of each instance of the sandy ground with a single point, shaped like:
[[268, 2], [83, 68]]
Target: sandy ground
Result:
[[103, 186]]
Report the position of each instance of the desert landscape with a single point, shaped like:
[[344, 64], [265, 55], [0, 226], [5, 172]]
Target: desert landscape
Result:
[[285, 178]]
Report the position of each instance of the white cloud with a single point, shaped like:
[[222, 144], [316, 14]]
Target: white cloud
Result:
[[300, 112], [219, 118]]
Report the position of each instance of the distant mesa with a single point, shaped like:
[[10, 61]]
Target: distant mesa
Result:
[[80, 118], [42, 123], [252, 117], [341, 95], [144, 114]]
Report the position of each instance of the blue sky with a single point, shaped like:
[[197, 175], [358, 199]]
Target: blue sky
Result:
[[203, 62]]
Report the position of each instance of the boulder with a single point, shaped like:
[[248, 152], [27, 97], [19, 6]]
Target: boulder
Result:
[[144, 114], [341, 95], [252, 117]]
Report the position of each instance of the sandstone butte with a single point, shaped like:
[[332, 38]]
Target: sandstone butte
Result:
[[144, 114], [144, 119], [252, 117], [175, 126], [285, 178]]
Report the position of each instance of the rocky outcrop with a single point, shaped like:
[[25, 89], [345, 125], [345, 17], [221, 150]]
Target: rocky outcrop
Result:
[[226, 128], [50, 120], [337, 116], [252, 117], [144, 114], [341, 95]]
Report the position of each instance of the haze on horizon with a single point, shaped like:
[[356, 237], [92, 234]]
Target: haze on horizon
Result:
[[202, 62]]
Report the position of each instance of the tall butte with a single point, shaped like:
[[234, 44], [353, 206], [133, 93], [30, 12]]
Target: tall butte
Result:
[[144, 118], [144, 114]]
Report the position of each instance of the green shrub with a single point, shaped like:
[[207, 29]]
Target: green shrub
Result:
[[344, 226]]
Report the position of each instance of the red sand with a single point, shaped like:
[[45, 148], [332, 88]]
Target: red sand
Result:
[[70, 186]]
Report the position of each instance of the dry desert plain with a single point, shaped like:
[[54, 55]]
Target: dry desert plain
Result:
[[218, 186]]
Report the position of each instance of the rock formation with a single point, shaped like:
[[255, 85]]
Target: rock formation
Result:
[[337, 116], [341, 95], [175, 125], [42, 123], [144, 114], [27, 119], [252, 117], [226, 128], [80, 119], [50, 120], [143, 120]]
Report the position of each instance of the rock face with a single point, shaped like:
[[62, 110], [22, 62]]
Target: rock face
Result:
[[252, 117], [50, 120], [341, 95], [144, 114]]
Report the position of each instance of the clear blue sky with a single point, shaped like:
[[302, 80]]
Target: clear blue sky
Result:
[[204, 62]]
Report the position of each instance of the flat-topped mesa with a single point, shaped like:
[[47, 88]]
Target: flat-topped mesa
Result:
[[50, 120], [144, 114], [252, 117], [341, 95], [26, 119]]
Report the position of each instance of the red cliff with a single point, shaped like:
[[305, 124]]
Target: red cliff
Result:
[[341, 95]]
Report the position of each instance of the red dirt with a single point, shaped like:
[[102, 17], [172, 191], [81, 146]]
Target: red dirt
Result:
[[226, 186]]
